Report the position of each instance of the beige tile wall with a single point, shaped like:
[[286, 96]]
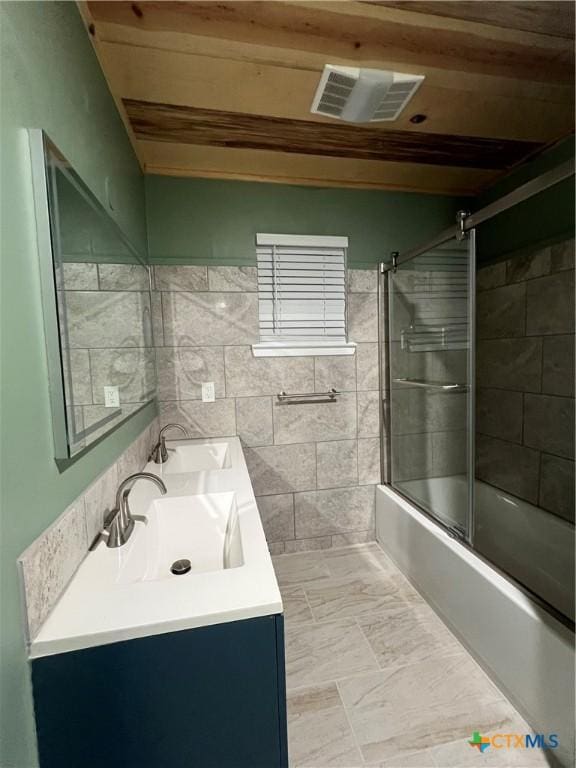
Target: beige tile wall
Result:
[[313, 466], [49, 563]]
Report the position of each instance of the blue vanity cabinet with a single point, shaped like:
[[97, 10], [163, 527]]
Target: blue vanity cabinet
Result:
[[212, 697]]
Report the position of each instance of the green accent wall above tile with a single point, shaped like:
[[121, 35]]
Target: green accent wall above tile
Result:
[[50, 79], [204, 221]]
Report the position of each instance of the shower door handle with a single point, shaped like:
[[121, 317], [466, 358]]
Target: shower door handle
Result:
[[457, 388]]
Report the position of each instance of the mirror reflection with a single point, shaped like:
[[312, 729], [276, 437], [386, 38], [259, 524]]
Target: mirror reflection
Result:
[[102, 292]]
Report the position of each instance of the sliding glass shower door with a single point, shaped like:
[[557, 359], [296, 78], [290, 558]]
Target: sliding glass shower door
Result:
[[430, 382]]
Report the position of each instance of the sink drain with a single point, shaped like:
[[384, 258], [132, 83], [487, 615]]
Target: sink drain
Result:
[[180, 567]]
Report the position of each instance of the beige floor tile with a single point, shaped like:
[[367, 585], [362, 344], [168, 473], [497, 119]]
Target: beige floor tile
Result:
[[355, 561], [397, 710], [422, 759], [319, 735], [460, 754], [534, 758], [296, 608], [530, 757], [407, 635], [316, 653], [300, 568], [410, 594], [338, 598], [428, 691]]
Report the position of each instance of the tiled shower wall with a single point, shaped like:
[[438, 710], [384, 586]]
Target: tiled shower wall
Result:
[[525, 377], [313, 465]]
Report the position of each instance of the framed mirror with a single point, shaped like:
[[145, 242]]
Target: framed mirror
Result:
[[97, 307]]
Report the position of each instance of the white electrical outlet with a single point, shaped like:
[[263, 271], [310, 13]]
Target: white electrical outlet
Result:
[[111, 397], [208, 392]]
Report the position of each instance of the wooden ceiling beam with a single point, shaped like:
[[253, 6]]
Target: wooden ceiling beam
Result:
[[190, 125], [436, 16], [545, 17], [312, 61], [169, 159], [144, 74], [486, 75], [364, 32]]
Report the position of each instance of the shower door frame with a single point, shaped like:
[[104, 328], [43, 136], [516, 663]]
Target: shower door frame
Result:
[[457, 232], [465, 222]]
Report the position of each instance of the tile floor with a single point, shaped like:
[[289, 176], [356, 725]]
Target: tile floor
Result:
[[374, 678]]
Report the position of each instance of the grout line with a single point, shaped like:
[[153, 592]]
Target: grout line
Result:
[[223, 360], [542, 340], [234, 416], [349, 721], [293, 517], [328, 681], [539, 480]]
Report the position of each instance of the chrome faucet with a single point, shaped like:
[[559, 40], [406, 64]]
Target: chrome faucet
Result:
[[159, 453], [120, 523]]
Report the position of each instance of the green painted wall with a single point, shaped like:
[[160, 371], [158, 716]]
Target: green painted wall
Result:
[[546, 218], [50, 79], [201, 221]]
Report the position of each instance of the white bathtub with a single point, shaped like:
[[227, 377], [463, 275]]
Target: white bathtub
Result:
[[528, 653], [526, 542]]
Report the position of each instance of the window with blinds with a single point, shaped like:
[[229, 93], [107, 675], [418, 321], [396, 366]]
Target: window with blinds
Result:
[[302, 292]]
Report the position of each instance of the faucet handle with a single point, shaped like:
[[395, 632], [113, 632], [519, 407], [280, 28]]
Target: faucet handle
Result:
[[109, 532]]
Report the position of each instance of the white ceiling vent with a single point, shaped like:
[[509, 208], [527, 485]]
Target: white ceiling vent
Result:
[[363, 95]]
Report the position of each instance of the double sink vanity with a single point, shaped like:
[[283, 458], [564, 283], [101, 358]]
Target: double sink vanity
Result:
[[168, 649]]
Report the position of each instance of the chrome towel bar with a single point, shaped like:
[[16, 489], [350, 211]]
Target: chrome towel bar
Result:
[[283, 397], [432, 385]]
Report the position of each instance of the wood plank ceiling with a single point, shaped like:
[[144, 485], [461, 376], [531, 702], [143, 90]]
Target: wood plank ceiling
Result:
[[224, 89]]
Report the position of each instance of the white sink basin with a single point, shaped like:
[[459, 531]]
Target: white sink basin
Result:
[[202, 529], [209, 516], [196, 458]]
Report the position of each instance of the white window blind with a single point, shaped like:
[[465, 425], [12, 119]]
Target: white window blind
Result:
[[302, 289]]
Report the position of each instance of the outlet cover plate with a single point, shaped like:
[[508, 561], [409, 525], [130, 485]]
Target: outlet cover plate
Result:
[[208, 392], [111, 397]]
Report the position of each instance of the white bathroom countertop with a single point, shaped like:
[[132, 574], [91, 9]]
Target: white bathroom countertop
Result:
[[99, 608]]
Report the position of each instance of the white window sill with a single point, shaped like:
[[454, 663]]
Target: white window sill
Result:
[[302, 348]]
